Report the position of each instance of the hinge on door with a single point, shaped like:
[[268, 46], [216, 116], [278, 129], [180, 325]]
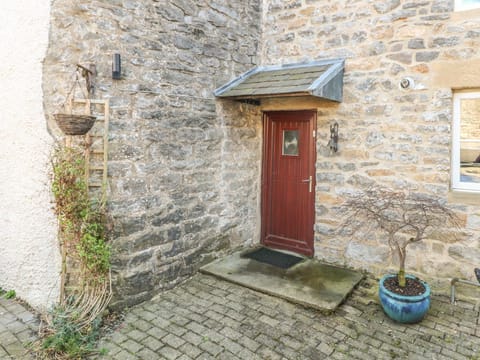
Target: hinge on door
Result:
[[314, 134]]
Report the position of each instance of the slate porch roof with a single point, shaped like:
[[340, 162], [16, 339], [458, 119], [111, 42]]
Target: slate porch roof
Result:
[[322, 79]]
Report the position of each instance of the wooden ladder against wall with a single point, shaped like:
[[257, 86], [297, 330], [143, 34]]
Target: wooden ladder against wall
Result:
[[95, 144], [96, 147]]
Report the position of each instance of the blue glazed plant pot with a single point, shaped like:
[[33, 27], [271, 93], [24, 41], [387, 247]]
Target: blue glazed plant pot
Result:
[[401, 308]]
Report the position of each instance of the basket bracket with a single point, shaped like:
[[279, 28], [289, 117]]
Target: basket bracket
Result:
[[89, 74]]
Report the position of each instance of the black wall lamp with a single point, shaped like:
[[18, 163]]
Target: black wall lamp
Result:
[[116, 67], [333, 142]]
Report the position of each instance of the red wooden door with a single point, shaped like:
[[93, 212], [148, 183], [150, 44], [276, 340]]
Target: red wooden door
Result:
[[288, 186]]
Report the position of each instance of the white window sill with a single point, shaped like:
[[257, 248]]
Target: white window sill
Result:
[[466, 14], [464, 197]]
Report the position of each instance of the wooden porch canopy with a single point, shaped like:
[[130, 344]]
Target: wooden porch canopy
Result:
[[322, 79]]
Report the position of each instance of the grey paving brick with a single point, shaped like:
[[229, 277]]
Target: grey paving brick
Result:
[[162, 313], [147, 354], [428, 345], [8, 338], [7, 318], [111, 348], [118, 337], [269, 320], [289, 353], [214, 315], [235, 306], [190, 350], [214, 336], [131, 317], [247, 354], [179, 320], [152, 343], [160, 322], [143, 325], [230, 333], [231, 346], [446, 329], [205, 356], [416, 357], [325, 348], [349, 331], [290, 342], [227, 355], [16, 350], [176, 330], [268, 354], [235, 315], [338, 335], [173, 341], [170, 353], [184, 357], [210, 347], [27, 317], [213, 324], [356, 344], [394, 349], [196, 328], [157, 333], [454, 355], [192, 338], [467, 352], [136, 335], [125, 355], [26, 336], [146, 315], [232, 323], [267, 340], [339, 356], [196, 317], [131, 346]]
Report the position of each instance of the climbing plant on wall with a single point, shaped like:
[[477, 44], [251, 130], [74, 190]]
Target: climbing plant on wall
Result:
[[81, 219], [85, 258]]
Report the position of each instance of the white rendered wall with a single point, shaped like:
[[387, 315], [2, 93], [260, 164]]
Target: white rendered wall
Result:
[[29, 256]]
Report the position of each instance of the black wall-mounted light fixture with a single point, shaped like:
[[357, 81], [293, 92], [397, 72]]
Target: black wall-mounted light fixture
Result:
[[333, 142], [116, 67]]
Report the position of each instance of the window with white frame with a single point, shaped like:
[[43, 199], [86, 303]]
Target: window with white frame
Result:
[[466, 4], [466, 141]]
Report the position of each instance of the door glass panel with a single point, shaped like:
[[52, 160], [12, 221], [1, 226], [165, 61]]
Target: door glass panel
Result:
[[290, 143]]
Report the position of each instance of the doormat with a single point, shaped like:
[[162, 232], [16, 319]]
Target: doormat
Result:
[[274, 258]]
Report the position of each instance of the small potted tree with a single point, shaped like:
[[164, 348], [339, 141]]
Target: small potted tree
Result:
[[405, 219]]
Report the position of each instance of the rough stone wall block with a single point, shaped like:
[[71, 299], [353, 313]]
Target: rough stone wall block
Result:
[[172, 204], [389, 136]]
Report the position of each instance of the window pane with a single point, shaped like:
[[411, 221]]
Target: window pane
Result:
[[290, 142], [466, 4], [470, 140]]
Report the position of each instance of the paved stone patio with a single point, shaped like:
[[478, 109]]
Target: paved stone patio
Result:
[[18, 328], [208, 318]]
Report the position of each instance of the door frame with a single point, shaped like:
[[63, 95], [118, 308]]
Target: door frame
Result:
[[267, 169]]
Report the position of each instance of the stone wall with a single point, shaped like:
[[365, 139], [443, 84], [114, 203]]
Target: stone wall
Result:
[[183, 168], [29, 256], [388, 135]]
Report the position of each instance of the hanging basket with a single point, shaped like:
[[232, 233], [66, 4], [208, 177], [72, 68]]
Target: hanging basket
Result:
[[72, 124]]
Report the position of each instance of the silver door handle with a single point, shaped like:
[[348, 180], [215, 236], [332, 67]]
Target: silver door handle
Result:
[[309, 180]]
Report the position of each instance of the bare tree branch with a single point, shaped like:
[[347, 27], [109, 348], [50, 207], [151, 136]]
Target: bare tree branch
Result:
[[405, 218]]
